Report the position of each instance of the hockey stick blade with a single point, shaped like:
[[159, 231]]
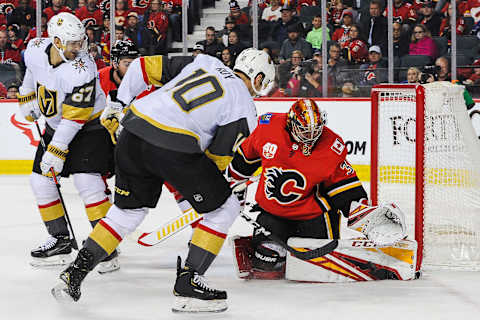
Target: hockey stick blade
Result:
[[168, 229], [302, 255]]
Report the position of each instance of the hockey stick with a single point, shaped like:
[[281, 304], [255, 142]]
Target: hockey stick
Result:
[[302, 255], [180, 222], [54, 176]]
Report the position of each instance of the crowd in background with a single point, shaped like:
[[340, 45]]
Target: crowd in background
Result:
[[290, 31]]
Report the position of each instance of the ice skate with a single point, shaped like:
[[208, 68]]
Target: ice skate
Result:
[[192, 293], [109, 264], [68, 290], [56, 251]]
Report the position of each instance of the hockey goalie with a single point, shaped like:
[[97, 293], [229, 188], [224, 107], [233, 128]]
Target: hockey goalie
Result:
[[305, 188]]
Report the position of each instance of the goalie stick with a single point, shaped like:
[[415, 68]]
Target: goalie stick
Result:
[[302, 255]]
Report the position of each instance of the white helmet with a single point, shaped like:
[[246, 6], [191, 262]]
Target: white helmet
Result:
[[253, 62], [66, 27]]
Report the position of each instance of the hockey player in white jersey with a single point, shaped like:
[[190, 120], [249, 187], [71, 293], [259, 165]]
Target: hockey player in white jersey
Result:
[[61, 84], [181, 133]]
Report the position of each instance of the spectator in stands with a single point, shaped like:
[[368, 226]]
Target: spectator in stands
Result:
[[57, 7], [8, 55], [422, 42], [295, 42], [3, 91], [349, 89], [341, 35], [445, 27], [174, 20], [94, 52], [228, 58], [135, 32], [16, 42], [120, 33], [81, 4], [474, 79], [33, 32], [105, 38], [272, 12], [400, 41], [157, 24], [90, 14], [429, 18], [336, 14], [90, 32], [211, 45], [375, 70], [235, 45], [335, 64], [404, 13], [24, 16], [315, 36], [289, 74], [198, 49], [375, 26], [357, 48], [279, 30], [443, 66], [413, 75], [238, 15], [229, 26], [121, 12], [12, 90]]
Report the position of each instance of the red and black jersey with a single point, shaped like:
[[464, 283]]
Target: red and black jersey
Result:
[[18, 44], [139, 6], [357, 50], [32, 34], [292, 185], [121, 17], [445, 27], [7, 6], [88, 17], [107, 83], [9, 56], [403, 14], [158, 22], [50, 12], [341, 35]]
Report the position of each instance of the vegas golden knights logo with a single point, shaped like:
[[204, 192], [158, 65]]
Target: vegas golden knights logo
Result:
[[47, 101]]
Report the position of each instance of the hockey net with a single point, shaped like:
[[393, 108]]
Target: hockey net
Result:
[[425, 157]]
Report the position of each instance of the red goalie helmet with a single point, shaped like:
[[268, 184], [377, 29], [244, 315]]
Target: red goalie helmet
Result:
[[305, 123]]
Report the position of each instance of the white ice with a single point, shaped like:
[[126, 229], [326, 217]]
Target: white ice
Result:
[[142, 289]]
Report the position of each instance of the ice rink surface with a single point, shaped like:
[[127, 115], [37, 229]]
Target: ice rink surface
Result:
[[142, 289]]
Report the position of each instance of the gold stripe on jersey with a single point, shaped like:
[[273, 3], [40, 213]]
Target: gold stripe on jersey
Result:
[[162, 126], [75, 113], [105, 237], [51, 211], [222, 162], [344, 188], [249, 161], [154, 69], [207, 241], [95, 115]]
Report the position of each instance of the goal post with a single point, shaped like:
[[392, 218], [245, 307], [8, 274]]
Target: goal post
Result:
[[425, 157]]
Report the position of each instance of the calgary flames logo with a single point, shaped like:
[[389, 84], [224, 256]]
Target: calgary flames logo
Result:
[[47, 101], [282, 185]]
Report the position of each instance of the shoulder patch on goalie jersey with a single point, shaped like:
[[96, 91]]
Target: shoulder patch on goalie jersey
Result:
[[337, 146], [265, 118]]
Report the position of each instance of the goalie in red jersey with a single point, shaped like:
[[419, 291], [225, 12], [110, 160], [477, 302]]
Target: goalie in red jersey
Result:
[[305, 186]]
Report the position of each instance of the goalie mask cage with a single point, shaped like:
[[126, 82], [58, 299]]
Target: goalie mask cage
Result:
[[425, 157]]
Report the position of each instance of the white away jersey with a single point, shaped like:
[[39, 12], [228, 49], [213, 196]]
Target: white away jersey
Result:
[[70, 90], [205, 108]]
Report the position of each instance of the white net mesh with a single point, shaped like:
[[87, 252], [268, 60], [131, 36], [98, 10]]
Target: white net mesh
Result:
[[451, 212]]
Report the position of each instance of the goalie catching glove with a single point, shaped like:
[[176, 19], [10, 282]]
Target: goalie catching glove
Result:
[[54, 157], [29, 106], [384, 224], [111, 117]]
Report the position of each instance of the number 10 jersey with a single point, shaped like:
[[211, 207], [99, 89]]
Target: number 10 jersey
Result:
[[205, 108]]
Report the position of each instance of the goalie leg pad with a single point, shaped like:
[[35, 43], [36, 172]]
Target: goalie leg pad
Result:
[[244, 253], [353, 260]]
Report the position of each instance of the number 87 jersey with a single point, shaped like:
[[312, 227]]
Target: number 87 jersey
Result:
[[205, 108]]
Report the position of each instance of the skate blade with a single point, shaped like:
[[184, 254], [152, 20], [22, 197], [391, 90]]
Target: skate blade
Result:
[[108, 266], [192, 305], [58, 260], [60, 293]]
